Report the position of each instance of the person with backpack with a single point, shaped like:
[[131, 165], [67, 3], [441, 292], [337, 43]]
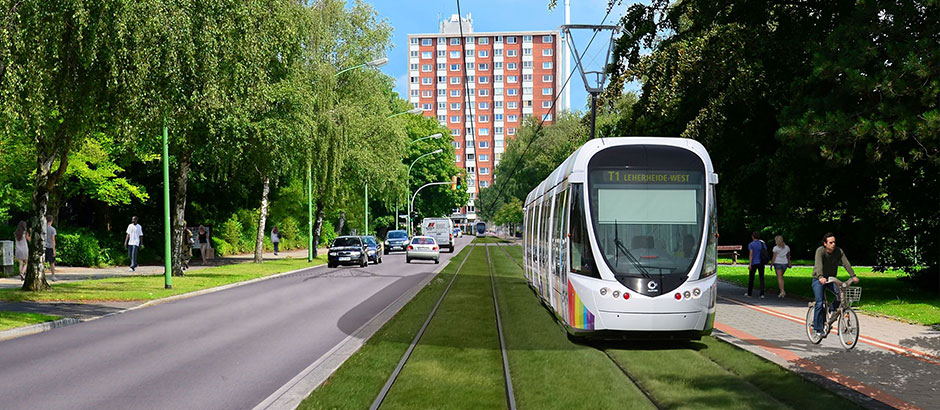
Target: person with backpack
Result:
[[758, 257]]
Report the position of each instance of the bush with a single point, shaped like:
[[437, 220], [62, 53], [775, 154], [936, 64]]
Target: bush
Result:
[[327, 233], [231, 234], [78, 249], [223, 248]]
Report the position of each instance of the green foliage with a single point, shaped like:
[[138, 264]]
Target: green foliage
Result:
[[223, 247], [510, 213], [79, 249], [231, 233], [327, 233]]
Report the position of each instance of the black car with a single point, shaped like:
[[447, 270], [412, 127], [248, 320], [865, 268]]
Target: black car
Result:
[[373, 249], [347, 250], [396, 241]]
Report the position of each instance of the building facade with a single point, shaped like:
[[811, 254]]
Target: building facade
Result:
[[482, 86]]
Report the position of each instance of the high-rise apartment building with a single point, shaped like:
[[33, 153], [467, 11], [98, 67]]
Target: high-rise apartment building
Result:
[[482, 86]]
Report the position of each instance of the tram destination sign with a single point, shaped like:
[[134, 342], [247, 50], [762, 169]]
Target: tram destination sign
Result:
[[626, 176]]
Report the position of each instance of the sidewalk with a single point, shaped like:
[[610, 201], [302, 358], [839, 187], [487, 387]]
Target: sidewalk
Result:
[[895, 363], [69, 274]]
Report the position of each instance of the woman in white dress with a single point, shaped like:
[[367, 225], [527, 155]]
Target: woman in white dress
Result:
[[780, 261], [21, 252]]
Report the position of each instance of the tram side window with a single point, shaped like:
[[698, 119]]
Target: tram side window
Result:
[[582, 261]]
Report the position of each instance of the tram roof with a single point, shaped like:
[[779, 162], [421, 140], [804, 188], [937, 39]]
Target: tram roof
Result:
[[573, 168]]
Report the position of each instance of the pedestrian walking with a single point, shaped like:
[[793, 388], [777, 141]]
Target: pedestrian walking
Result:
[[187, 246], [21, 247], [781, 261], [132, 241], [203, 242], [49, 244], [275, 238], [758, 251]]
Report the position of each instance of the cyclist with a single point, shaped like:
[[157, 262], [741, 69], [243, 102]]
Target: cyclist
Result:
[[828, 258]]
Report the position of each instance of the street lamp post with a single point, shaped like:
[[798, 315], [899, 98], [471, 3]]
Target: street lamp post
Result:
[[412, 203], [408, 181], [374, 63]]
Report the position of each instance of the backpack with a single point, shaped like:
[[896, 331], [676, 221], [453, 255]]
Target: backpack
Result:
[[764, 254]]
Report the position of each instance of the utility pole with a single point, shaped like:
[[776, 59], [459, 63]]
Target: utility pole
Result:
[[309, 214], [167, 253], [367, 209]]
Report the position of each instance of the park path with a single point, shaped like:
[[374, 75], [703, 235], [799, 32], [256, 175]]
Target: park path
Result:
[[895, 363]]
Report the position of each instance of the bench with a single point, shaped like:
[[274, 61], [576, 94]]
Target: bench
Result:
[[732, 250]]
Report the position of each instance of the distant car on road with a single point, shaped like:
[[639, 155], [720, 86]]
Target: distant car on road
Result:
[[441, 229], [373, 249], [458, 233], [347, 250], [423, 247], [396, 241]]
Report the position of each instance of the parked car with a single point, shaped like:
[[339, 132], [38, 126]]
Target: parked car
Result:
[[373, 249], [396, 241], [441, 229], [347, 250], [458, 233], [423, 247]]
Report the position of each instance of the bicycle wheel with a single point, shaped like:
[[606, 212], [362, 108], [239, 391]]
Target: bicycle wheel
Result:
[[848, 329], [809, 327]]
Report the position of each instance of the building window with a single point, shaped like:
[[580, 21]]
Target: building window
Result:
[[547, 117], [455, 132], [548, 39], [455, 106], [526, 64], [498, 52], [484, 105], [511, 40], [441, 79], [513, 118], [455, 67], [441, 53], [484, 92], [414, 54], [498, 130], [454, 118], [470, 79], [527, 90], [425, 94], [456, 144], [484, 118], [511, 66], [547, 91], [510, 53], [498, 117], [527, 51], [483, 40], [527, 77], [547, 51], [455, 80], [426, 68], [512, 105], [484, 170], [484, 53], [441, 40], [484, 184], [426, 80], [469, 66], [499, 39], [499, 144], [425, 54], [414, 41], [455, 41], [498, 104], [454, 54], [512, 79], [426, 106], [469, 157], [469, 53], [498, 78], [455, 93], [547, 65], [484, 158], [484, 66], [469, 40], [484, 80], [484, 131], [414, 93], [457, 158], [441, 67], [546, 104], [527, 38], [512, 91], [547, 78], [442, 105], [511, 131], [484, 144], [497, 65], [425, 41]]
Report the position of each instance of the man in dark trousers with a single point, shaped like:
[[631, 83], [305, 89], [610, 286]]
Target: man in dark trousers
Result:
[[132, 241], [756, 263]]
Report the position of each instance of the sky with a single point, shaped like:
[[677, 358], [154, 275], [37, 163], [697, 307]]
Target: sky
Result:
[[421, 16]]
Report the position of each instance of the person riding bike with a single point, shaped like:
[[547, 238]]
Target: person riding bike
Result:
[[826, 264]]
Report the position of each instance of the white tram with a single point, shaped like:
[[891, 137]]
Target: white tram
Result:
[[621, 239], [480, 228]]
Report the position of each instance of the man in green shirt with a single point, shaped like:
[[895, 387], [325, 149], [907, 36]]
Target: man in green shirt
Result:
[[826, 264]]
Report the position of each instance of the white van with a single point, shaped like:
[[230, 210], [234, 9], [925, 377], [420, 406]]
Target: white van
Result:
[[441, 229]]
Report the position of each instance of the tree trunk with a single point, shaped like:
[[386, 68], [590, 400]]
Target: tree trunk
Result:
[[259, 242], [317, 227], [179, 211], [341, 224], [45, 181]]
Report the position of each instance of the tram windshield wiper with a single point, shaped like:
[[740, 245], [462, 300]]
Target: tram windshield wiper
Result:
[[636, 262]]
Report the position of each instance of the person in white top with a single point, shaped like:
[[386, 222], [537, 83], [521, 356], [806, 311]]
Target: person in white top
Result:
[[132, 241], [780, 262]]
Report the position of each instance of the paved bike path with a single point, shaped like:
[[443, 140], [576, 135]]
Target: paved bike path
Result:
[[895, 363]]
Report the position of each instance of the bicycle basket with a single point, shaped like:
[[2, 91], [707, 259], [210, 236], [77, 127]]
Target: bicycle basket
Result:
[[853, 294]]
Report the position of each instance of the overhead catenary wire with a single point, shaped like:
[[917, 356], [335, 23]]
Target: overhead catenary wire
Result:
[[541, 123], [468, 104]]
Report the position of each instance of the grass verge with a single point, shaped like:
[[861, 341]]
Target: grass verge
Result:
[[882, 292], [12, 320], [144, 288]]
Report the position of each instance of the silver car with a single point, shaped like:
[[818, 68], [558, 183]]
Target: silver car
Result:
[[423, 247]]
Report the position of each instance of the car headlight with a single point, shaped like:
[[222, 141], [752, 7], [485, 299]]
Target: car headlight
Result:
[[332, 253], [386, 243], [371, 252], [354, 253]]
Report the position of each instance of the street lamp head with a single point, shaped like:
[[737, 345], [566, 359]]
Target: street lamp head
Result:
[[416, 110], [437, 151], [438, 135], [378, 62]]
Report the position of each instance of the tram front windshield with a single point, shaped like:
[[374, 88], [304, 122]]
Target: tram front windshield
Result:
[[647, 208]]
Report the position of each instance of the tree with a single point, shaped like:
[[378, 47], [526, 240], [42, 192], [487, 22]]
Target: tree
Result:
[[510, 214]]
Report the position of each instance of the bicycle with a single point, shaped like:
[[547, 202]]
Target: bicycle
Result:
[[848, 320]]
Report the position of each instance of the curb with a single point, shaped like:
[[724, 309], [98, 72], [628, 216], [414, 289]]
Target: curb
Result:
[[43, 327], [291, 394]]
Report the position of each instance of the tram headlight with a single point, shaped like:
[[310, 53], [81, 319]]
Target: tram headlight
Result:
[[687, 294], [696, 293], [604, 291], [616, 294]]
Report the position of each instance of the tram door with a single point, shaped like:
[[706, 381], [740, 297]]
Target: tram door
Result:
[[559, 242]]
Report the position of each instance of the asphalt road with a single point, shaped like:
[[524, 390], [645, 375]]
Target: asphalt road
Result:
[[224, 350]]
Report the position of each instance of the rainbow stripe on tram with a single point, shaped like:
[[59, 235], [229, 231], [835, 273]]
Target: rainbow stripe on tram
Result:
[[578, 315]]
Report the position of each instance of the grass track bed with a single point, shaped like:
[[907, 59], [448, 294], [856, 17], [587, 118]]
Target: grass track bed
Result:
[[457, 363]]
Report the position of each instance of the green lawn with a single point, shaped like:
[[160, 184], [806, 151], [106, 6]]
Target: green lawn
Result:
[[882, 292], [12, 320], [144, 288]]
